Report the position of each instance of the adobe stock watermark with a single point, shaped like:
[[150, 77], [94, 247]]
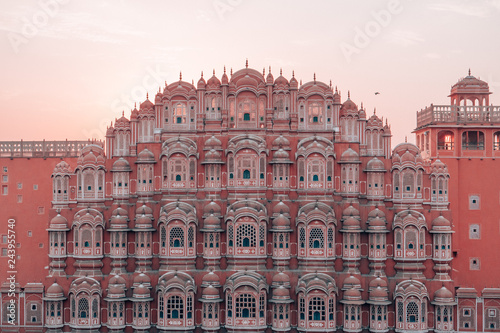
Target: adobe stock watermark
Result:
[[153, 79], [31, 26], [363, 36], [222, 7]]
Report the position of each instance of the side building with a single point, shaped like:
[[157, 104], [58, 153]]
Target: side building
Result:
[[466, 136], [247, 204]]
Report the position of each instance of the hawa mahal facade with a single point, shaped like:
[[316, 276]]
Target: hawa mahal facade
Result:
[[254, 204]]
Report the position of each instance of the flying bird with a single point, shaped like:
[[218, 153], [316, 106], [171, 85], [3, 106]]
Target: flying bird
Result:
[[377, 93]]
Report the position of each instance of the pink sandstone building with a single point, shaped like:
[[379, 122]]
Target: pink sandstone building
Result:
[[254, 204]]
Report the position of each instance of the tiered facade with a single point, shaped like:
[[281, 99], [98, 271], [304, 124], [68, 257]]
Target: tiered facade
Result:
[[250, 204]]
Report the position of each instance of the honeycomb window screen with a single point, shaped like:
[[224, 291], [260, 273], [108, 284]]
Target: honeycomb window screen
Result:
[[474, 202], [475, 264], [474, 231]]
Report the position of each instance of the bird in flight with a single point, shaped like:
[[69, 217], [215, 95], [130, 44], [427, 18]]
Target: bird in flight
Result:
[[377, 93]]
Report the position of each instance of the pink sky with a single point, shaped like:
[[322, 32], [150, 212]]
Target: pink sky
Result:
[[69, 69]]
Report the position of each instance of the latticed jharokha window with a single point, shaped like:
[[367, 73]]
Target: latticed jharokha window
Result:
[[245, 306], [175, 307], [247, 166], [176, 237], [412, 312], [180, 113], [94, 308], [317, 308], [245, 236], [315, 113], [83, 308], [302, 238], [316, 238]]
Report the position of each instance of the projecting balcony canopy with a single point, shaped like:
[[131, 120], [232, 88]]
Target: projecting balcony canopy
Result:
[[458, 114]]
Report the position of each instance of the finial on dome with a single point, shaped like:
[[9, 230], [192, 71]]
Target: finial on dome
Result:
[[263, 71], [123, 113], [469, 71], [314, 77], [192, 82], [224, 69], [300, 81], [201, 74], [330, 83], [281, 71], [406, 138], [231, 71], [374, 111], [269, 69], [293, 73], [135, 105], [336, 90], [246, 63], [147, 95], [361, 105], [165, 83], [348, 94], [180, 76], [214, 72]]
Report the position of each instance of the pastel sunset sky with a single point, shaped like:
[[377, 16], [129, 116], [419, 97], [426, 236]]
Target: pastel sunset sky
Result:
[[68, 67]]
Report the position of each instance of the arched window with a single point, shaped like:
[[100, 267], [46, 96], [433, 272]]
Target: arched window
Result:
[[246, 174], [446, 140], [496, 141]]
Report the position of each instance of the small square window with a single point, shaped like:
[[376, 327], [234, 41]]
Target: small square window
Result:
[[301, 120], [5, 190], [492, 326], [41, 210], [4, 239], [33, 319], [5, 178], [474, 231], [475, 264], [18, 244], [192, 120], [29, 233], [19, 186], [33, 307], [5, 169], [4, 252], [40, 245], [35, 187], [466, 312], [19, 199], [474, 202], [166, 120], [492, 313], [466, 324]]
